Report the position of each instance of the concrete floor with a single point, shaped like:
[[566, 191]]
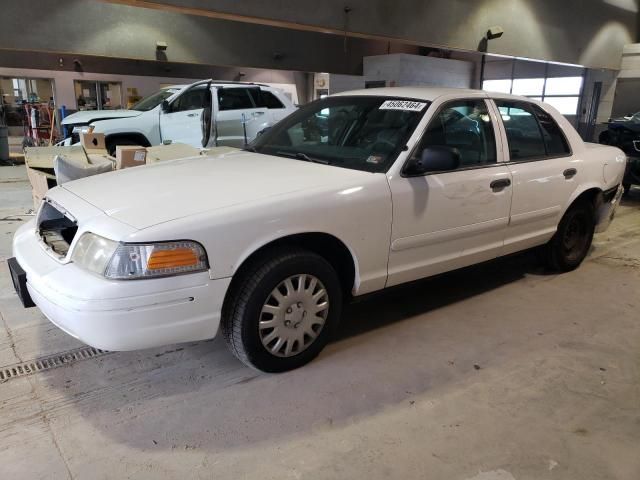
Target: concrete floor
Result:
[[497, 372]]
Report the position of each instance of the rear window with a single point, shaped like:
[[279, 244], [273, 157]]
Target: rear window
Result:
[[523, 132], [554, 138], [269, 100]]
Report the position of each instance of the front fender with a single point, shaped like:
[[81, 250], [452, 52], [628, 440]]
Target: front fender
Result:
[[266, 240], [146, 125]]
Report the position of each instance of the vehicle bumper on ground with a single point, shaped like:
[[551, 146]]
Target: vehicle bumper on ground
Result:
[[118, 315], [607, 210]]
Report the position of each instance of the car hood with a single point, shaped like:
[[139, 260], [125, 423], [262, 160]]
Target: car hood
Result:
[[89, 116], [145, 196]]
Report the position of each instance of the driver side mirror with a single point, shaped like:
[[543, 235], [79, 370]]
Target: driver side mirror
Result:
[[436, 158], [165, 106]]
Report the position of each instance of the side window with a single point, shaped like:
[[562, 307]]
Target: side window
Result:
[[523, 132], [465, 126], [192, 99], [269, 100], [234, 99], [554, 139]]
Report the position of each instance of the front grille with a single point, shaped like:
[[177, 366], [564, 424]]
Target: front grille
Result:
[[56, 228]]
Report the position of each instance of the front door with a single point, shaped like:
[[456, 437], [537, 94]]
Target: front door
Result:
[[543, 170], [182, 122], [447, 220], [238, 119]]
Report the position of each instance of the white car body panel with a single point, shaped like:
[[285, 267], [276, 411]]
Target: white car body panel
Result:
[[87, 116], [397, 229]]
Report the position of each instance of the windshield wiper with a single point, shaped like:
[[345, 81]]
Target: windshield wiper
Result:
[[303, 156], [250, 149]]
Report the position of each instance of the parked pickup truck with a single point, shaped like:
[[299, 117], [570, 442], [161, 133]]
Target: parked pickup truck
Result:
[[206, 113], [348, 195]]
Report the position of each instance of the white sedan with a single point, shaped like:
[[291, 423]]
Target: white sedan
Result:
[[349, 195]]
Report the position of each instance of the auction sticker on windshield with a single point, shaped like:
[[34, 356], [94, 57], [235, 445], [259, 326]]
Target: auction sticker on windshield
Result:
[[406, 105]]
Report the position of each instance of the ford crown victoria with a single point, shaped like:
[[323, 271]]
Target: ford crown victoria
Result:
[[347, 196]]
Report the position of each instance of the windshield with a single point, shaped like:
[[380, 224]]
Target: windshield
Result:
[[152, 101], [359, 132]]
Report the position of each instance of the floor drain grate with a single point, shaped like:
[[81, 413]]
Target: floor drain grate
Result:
[[47, 363]]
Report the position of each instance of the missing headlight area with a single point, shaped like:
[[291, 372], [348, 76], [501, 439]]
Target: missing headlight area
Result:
[[56, 229]]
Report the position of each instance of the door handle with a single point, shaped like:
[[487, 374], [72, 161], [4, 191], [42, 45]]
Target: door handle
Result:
[[192, 115], [569, 173], [258, 114], [500, 184]]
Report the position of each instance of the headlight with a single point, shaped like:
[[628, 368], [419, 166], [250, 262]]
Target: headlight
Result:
[[94, 252], [129, 261], [82, 129]]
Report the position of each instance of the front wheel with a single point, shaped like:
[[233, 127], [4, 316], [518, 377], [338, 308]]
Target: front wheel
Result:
[[570, 244], [112, 143], [282, 310]]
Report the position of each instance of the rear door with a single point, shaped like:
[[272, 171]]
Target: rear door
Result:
[[238, 118], [276, 109], [182, 122], [543, 169], [447, 220]]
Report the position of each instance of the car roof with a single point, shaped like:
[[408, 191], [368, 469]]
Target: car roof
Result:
[[429, 93], [222, 83]]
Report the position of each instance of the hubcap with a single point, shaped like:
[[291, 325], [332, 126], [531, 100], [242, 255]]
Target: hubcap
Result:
[[293, 315]]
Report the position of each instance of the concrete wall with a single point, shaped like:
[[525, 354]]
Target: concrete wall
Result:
[[344, 83], [95, 28], [627, 92], [608, 79], [585, 32], [407, 70]]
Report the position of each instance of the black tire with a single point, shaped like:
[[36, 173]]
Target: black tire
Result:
[[111, 144], [605, 138], [571, 243], [626, 187], [243, 309]]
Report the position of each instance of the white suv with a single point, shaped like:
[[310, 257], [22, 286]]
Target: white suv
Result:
[[206, 113]]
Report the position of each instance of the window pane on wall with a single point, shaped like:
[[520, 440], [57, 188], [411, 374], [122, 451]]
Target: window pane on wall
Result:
[[86, 95], [42, 89], [565, 105], [528, 86], [110, 95], [564, 86], [500, 86]]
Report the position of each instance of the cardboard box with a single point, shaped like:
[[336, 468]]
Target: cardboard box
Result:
[[39, 162], [41, 181], [93, 142], [130, 156]]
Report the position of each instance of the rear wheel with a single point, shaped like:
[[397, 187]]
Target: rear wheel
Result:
[[570, 244], [282, 310]]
